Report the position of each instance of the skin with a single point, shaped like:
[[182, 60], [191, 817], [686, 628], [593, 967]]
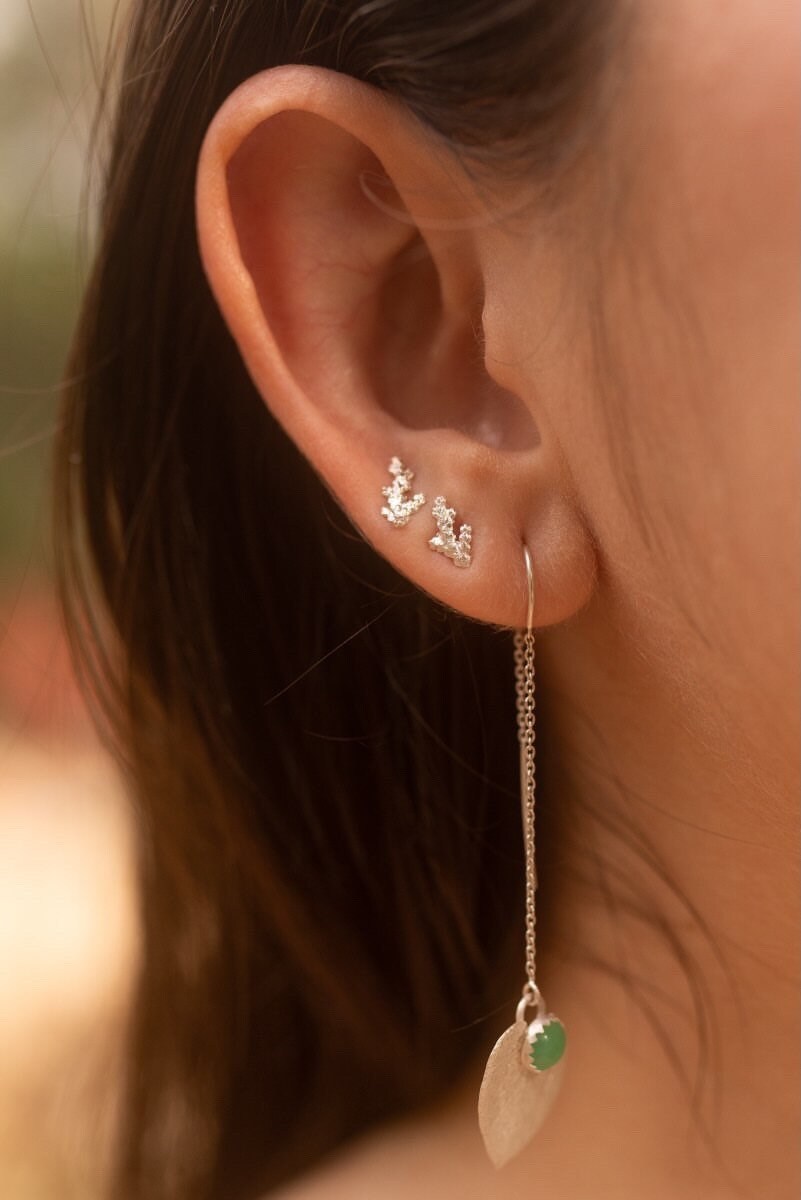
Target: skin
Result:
[[615, 379]]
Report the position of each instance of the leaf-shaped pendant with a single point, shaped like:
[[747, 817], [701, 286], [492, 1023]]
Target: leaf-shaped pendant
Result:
[[516, 1095]]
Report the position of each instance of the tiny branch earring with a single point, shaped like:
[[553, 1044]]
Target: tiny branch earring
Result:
[[524, 1070], [444, 540], [400, 505]]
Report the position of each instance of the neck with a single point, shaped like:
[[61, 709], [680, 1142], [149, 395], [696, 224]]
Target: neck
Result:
[[672, 958], [673, 954]]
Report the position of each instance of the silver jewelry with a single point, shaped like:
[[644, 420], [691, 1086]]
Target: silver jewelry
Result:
[[400, 504], [524, 1070], [444, 539]]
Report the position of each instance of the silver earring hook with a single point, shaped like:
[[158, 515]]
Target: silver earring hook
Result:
[[530, 583]]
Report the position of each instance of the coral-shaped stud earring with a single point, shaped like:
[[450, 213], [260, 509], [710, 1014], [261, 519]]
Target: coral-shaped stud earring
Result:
[[445, 541], [400, 505]]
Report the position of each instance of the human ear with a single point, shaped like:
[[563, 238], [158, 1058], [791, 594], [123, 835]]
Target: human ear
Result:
[[349, 256]]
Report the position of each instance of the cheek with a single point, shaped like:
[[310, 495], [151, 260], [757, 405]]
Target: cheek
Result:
[[725, 185], [699, 356]]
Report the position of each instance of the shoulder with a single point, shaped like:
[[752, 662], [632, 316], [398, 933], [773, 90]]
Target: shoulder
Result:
[[365, 1168], [434, 1154]]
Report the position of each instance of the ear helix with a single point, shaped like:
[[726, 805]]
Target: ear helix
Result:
[[401, 506]]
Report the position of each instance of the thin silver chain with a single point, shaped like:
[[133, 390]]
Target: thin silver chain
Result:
[[524, 689]]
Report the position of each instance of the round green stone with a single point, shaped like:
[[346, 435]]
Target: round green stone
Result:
[[549, 1045]]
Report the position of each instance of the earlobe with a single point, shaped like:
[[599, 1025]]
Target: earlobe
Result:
[[357, 323]]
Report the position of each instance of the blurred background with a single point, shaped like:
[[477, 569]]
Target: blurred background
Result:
[[67, 909]]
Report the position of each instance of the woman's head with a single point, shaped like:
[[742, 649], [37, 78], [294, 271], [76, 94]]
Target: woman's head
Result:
[[522, 246]]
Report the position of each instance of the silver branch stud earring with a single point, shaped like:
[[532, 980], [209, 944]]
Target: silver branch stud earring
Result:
[[400, 504], [444, 540]]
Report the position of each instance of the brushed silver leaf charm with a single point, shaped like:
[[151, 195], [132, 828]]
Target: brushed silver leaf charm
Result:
[[514, 1098]]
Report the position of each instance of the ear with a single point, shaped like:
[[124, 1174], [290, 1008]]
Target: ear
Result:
[[349, 255]]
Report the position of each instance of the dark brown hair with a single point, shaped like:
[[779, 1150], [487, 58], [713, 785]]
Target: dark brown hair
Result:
[[322, 760]]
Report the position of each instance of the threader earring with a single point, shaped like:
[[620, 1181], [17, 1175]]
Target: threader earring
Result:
[[525, 1067]]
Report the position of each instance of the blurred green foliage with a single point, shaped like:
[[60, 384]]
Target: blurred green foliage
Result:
[[39, 293], [49, 51]]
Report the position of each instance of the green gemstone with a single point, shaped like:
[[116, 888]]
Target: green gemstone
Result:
[[549, 1045]]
